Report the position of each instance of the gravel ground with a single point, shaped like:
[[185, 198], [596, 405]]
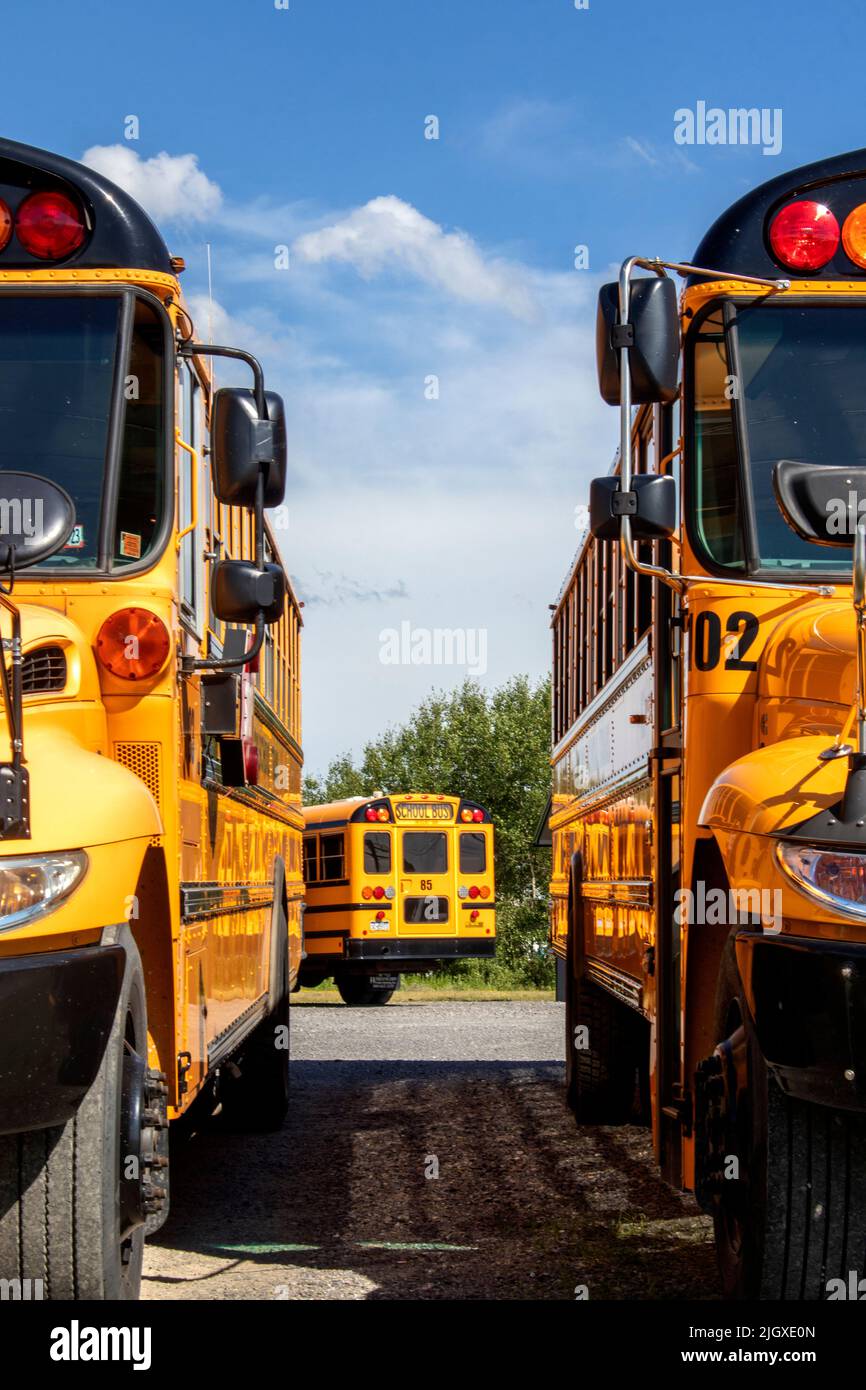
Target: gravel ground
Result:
[[345, 1202]]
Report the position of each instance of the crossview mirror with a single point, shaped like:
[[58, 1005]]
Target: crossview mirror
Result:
[[652, 336], [822, 503], [651, 504], [242, 444], [241, 592], [36, 519]]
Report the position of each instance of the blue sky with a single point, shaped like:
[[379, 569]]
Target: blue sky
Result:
[[411, 259]]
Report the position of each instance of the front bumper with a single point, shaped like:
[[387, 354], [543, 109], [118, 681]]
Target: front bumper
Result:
[[807, 1001], [56, 1013]]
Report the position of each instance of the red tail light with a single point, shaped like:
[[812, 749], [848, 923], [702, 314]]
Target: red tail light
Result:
[[477, 815], [380, 916], [474, 891], [371, 813], [50, 226], [378, 892], [804, 235]]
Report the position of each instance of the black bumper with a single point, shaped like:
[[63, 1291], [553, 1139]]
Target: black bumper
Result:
[[807, 1000], [56, 1013], [427, 948]]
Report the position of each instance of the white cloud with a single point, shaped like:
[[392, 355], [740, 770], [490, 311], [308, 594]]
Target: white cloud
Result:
[[171, 187], [388, 233]]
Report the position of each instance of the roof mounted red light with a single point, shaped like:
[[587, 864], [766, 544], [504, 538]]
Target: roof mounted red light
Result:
[[50, 226], [804, 235]]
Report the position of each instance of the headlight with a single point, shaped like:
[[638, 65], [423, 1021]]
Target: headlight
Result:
[[32, 886], [835, 878]]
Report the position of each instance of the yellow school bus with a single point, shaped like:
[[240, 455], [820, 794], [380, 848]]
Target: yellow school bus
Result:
[[150, 823], [709, 729], [394, 884]]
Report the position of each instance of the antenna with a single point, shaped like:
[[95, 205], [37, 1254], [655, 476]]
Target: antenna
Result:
[[210, 308]]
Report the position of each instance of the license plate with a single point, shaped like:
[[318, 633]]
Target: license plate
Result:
[[384, 981]]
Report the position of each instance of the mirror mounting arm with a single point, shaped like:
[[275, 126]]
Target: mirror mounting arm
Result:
[[189, 350]]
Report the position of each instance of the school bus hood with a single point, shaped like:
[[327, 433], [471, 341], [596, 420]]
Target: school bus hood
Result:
[[811, 656], [79, 798], [775, 788]]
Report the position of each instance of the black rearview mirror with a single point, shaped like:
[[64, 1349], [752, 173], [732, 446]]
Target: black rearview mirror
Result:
[[652, 336], [36, 519], [241, 592], [822, 503], [651, 505], [241, 444]]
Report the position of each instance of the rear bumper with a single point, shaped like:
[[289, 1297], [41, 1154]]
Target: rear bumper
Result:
[[56, 1013], [807, 1000], [424, 948]]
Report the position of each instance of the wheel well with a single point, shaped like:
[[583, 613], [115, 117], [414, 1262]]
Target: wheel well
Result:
[[704, 949], [151, 929]]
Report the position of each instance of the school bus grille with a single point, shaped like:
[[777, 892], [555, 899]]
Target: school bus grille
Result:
[[44, 669], [143, 760]]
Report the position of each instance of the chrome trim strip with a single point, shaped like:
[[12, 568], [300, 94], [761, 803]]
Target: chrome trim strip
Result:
[[199, 900], [615, 982]]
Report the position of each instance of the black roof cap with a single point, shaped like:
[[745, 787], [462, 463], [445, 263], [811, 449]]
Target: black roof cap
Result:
[[120, 232], [738, 242]]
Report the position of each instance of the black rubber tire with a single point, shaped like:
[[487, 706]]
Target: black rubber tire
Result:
[[254, 1088], [797, 1217], [358, 991], [59, 1206], [602, 1084]]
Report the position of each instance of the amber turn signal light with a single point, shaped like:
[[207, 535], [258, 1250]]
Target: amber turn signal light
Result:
[[133, 644]]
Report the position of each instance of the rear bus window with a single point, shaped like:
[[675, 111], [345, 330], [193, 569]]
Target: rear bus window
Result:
[[332, 858], [377, 853], [424, 852], [310, 866], [473, 852]]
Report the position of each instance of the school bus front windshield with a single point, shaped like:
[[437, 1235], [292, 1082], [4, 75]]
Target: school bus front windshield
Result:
[[77, 373], [795, 373]]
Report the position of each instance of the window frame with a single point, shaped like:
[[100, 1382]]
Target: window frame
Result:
[[128, 294], [743, 573]]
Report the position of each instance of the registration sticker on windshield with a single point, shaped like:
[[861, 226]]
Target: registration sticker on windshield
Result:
[[76, 539], [130, 545]]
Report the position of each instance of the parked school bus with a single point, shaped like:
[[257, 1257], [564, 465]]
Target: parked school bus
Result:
[[150, 825], [709, 728], [394, 884]]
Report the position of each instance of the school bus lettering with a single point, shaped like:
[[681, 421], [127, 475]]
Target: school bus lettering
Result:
[[150, 862], [708, 891]]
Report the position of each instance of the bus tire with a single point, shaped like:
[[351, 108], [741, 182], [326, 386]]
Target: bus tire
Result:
[[65, 1204], [794, 1215], [601, 1042], [358, 991], [254, 1088]]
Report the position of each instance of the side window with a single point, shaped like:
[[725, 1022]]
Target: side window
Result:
[[377, 853], [473, 852], [310, 865], [191, 574], [717, 475], [332, 858], [141, 488]]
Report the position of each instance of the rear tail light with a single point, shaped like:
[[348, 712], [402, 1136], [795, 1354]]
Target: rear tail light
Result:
[[380, 916], [50, 226], [5, 224], [474, 915], [474, 891], [853, 235], [366, 894], [804, 235], [378, 892], [371, 813], [133, 644], [485, 892]]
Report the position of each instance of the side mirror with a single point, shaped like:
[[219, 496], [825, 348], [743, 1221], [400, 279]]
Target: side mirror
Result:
[[241, 592], [274, 610], [652, 336], [36, 519], [241, 444], [651, 504]]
